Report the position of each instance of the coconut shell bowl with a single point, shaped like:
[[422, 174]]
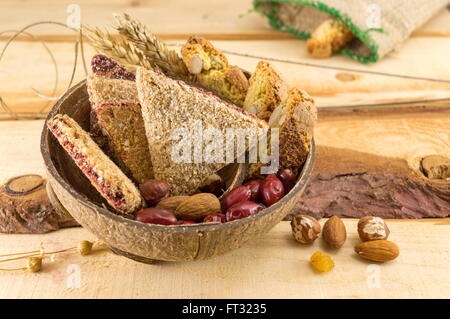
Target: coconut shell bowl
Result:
[[151, 242]]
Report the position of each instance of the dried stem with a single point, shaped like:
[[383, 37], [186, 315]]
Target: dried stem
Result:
[[117, 48], [155, 50]]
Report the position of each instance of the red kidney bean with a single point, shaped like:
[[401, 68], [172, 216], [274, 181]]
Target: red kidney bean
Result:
[[272, 190], [154, 190], [156, 216], [288, 178], [255, 188], [215, 218], [243, 209], [236, 195]]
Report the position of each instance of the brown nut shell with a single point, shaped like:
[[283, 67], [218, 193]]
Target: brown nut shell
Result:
[[372, 228], [197, 206], [334, 232], [171, 202], [305, 229], [378, 250]]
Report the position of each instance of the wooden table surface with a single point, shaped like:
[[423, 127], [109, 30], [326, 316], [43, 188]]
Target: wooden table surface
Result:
[[273, 265]]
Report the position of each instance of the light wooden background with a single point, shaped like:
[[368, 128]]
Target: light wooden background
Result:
[[26, 64], [273, 265]]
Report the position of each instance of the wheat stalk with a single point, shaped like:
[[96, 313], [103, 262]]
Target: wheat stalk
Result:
[[155, 50], [119, 49]]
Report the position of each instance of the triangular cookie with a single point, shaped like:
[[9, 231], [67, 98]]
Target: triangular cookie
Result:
[[172, 108]]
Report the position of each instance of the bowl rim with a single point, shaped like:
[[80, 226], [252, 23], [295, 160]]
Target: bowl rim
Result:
[[304, 176]]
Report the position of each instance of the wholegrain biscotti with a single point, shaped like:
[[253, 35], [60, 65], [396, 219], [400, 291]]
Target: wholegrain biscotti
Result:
[[124, 127], [211, 69], [107, 178], [295, 121], [116, 118], [267, 90], [169, 105]]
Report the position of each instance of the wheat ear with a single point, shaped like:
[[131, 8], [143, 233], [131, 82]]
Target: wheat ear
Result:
[[155, 50], [118, 49]]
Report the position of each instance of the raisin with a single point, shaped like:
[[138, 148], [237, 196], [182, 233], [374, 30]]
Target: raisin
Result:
[[321, 262]]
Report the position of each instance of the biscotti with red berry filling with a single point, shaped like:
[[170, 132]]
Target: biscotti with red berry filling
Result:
[[107, 178]]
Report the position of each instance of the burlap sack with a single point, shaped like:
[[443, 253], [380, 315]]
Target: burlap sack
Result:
[[380, 26]]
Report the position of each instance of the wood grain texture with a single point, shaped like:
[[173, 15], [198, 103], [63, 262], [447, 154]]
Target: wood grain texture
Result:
[[403, 134], [26, 65], [167, 18], [272, 266], [421, 271]]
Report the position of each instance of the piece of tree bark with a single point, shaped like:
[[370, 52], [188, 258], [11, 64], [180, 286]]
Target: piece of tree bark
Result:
[[25, 207], [354, 184]]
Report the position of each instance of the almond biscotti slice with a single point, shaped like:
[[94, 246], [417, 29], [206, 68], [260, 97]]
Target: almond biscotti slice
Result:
[[170, 106], [328, 38], [210, 69], [267, 90], [116, 114], [118, 190], [295, 118]]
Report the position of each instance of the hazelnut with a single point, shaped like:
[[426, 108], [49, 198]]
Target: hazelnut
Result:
[[154, 190], [305, 228], [372, 228]]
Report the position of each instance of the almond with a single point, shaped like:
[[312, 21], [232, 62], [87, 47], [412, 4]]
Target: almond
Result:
[[334, 232], [198, 206], [172, 202], [377, 250]]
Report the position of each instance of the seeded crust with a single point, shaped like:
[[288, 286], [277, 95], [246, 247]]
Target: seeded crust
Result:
[[211, 70], [267, 90], [296, 128], [117, 115], [124, 127], [104, 175], [168, 105], [103, 90], [329, 37]]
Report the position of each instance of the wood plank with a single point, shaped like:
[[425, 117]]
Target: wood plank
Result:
[[27, 64], [170, 18], [402, 135], [421, 271], [272, 266]]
